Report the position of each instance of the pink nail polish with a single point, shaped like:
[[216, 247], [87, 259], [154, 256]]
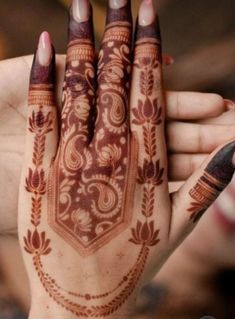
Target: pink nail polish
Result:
[[224, 210], [117, 4], [168, 60], [229, 105], [147, 13], [44, 49], [81, 10]]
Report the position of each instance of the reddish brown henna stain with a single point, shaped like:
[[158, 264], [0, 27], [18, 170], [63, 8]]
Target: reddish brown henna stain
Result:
[[108, 185], [40, 124], [148, 115], [90, 199], [216, 177]]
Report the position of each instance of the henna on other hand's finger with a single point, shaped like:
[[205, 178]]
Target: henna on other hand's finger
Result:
[[199, 192]]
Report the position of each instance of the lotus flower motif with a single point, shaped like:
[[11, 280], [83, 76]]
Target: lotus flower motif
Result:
[[150, 173], [147, 112], [35, 183], [39, 122], [109, 155], [36, 243], [82, 220], [145, 234]]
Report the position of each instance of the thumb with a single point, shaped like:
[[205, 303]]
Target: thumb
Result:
[[191, 201]]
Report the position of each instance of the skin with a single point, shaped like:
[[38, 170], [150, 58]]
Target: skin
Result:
[[219, 104], [150, 235], [182, 107]]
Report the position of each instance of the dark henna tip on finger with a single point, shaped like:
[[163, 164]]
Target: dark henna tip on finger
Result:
[[222, 166], [119, 10], [43, 67], [147, 22], [81, 21], [217, 175]]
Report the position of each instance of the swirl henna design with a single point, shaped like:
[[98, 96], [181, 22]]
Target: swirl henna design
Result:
[[98, 214], [214, 180]]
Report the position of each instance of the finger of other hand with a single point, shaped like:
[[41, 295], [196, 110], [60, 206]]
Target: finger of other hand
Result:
[[193, 106], [197, 138]]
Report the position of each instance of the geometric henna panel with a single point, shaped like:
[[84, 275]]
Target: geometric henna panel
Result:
[[97, 176], [87, 228]]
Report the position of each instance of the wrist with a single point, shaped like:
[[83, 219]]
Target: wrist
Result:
[[41, 309]]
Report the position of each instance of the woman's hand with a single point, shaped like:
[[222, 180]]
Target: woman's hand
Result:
[[94, 198], [184, 113]]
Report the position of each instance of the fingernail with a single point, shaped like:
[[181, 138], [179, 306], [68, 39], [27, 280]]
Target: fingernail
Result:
[[147, 13], [117, 4], [81, 10], [229, 105], [44, 49], [168, 60], [224, 211], [233, 160]]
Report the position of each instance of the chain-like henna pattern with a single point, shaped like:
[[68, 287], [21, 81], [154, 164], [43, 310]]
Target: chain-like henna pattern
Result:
[[90, 224], [212, 183]]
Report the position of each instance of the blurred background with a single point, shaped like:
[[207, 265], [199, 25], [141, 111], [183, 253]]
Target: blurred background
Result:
[[200, 35]]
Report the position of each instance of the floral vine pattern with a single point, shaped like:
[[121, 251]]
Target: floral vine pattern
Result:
[[148, 115], [40, 124]]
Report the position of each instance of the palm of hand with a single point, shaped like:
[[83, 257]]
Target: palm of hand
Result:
[[13, 106]]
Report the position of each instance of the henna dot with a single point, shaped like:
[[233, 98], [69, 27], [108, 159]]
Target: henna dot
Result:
[[125, 278], [123, 141], [88, 297], [85, 239], [75, 64], [110, 44]]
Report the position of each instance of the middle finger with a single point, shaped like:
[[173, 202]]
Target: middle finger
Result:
[[114, 68]]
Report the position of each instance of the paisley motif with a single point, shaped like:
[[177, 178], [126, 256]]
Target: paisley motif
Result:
[[108, 197]]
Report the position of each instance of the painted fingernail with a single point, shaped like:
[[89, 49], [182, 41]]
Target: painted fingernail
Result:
[[224, 211], [147, 13], [233, 160], [168, 60], [117, 4], [44, 49], [81, 10], [229, 105]]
